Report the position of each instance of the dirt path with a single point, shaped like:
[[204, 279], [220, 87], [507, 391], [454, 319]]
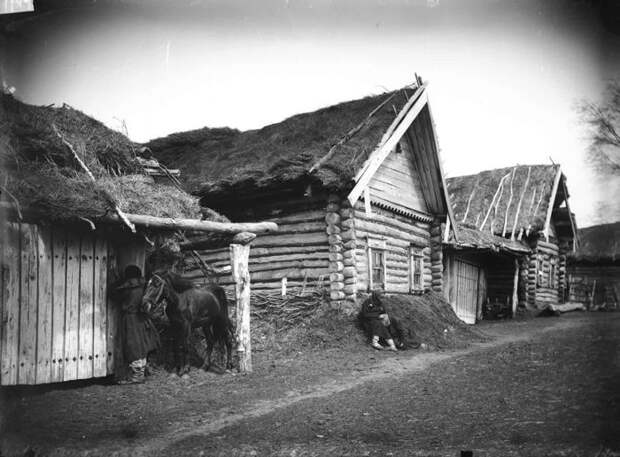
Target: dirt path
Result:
[[389, 368], [201, 423]]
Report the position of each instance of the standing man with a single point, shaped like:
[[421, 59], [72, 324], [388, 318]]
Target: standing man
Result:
[[138, 334]]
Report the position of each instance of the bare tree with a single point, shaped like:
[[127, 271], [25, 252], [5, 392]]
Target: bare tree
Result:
[[604, 121]]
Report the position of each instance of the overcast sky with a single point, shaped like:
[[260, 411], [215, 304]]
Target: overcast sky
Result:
[[504, 76]]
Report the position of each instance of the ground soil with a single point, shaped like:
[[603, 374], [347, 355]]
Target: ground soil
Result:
[[534, 387]]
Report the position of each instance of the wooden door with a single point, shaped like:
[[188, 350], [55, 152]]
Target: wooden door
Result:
[[466, 296], [54, 311]]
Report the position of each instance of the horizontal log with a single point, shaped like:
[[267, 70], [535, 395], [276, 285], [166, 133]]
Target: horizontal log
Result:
[[299, 216], [389, 229], [168, 223]]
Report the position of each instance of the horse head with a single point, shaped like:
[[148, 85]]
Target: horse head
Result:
[[155, 294]]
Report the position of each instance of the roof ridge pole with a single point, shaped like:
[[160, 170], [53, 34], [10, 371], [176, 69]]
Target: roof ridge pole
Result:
[[514, 225]]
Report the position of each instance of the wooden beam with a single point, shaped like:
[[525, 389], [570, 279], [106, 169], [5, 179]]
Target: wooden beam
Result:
[[446, 235], [515, 285], [378, 156], [239, 255], [430, 165], [195, 224], [399, 118], [442, 175], [554, 191]]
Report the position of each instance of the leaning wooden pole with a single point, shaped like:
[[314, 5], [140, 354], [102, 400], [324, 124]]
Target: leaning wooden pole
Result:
[[239, 256], [515, 290]]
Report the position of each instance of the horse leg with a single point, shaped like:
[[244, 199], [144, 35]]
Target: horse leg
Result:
[[229, 347], [206, 364], [176, 346], [187, 332]]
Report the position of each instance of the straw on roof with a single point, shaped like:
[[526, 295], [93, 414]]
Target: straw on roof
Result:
[[471, 237], [599, 243], [223, 160], [487, 196], [41, 172]]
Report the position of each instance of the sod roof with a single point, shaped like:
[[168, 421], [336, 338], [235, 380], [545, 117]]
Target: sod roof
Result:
[[42, 174], [222, 160], [488, 195], [599, 243]]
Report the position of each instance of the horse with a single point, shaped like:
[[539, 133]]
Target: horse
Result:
[[188, 308]]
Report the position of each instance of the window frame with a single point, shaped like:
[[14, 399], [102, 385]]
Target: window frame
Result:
[[373, 246], [416, 268]]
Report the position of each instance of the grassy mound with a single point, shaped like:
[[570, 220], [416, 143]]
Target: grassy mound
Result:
[[429, 320]]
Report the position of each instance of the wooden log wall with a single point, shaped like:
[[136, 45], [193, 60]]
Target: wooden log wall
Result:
[[349, 244], [399, 233], [56, 322], [334, 240], [547, 288], [436, 256], [299, 252], [582, 281]]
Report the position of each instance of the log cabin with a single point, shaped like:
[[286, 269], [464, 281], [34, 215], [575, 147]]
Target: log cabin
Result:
[[356, 189], [527, 204], [594, 268], [76, 208]]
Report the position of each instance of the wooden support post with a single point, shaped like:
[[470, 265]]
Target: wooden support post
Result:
[[239, 256], [515, 294]]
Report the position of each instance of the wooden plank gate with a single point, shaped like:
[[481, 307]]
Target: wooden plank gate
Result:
[[56, 323], [466, 299]]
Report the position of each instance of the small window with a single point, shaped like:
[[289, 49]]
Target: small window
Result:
[[539, 272], [416, 267], [378, 268], [552, 274], [376, 263]]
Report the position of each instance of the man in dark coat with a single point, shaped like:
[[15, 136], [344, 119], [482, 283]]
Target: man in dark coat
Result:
[[138, 334], [377, 322]]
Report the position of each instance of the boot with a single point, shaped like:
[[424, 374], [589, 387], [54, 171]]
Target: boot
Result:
[[375, 343], [136, 377], [391, 345]]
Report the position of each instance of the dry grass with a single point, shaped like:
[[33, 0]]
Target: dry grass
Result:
[[224, 160], [484, 186], [43, 174]]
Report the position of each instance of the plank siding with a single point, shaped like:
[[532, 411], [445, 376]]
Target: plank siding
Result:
[[397, 183], [26, 371], [59, 292], [72, 303], [86, 309], [54, 318], [11, 265], [45, 308]]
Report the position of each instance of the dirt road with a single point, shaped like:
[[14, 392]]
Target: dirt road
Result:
[[539, 387]]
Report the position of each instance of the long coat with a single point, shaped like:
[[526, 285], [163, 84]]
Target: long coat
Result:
[[138, 334], [371, 310]]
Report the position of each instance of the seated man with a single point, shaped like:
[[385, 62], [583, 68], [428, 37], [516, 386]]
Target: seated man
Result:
[[377, 323]]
